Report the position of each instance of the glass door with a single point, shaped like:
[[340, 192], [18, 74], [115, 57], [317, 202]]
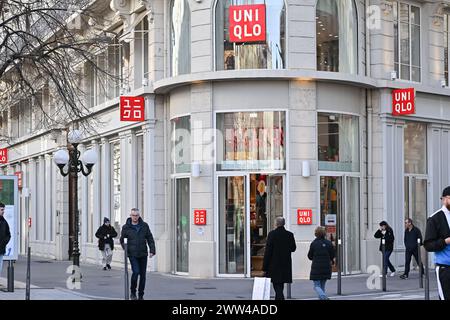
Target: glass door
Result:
[[233, 225], [183, 208], [266, 203], [416, 200], [351, 230], [331, 208], [339, 214]]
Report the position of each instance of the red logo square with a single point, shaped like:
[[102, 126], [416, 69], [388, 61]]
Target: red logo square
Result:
[[132, 109]]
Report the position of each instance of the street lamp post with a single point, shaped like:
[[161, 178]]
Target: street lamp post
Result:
[[75, 164]]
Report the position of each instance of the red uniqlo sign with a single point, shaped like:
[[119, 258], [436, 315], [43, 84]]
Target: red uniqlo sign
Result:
[[199, 217], [132, 108], [29, 222], [304, 216], [247, 23], [4, 155], [19, 179], [403, 102]]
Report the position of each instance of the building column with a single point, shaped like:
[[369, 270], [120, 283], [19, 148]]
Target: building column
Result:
[[48, 197], [62, 216], [83, 198], [105, 164], [33, 197], [96, 172], [149, 177], [41, 199]]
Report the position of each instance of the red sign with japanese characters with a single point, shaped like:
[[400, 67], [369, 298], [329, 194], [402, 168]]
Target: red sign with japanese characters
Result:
[[19, 178], [29, 222], [132, 108], [304, 216], [199, 217], [247, 23], [403, 102], [4, 155]]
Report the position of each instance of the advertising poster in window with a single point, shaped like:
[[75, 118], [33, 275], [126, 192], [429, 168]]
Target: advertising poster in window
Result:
[[9, 196]]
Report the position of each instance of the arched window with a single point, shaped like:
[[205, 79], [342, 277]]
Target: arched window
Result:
[[180, 37], [263, 54], [337, 36]]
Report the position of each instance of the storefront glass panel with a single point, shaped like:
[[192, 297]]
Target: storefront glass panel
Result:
[[416, 178], [251, 141], [181, 145], [232, 225], [268, 54], [338, 142], [182, 215]]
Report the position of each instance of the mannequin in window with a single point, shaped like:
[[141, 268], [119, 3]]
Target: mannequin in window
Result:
[[261, 198], [229, 61]]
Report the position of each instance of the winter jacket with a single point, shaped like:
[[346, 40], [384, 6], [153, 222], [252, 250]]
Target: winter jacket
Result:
[[139, 236], [105, 234], [436, 232], [5, 235], [411, 238], [277, 261], [321, 252], [388, 236]]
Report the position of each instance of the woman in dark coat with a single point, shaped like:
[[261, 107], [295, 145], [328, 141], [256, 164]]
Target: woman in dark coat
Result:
[[385, 232], [321, 252], [277, 263]]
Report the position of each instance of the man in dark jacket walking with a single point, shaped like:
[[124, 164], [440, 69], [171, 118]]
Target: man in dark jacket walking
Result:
[[437, 240], [138, 236], [412, 233], [385, 232], [277, 263], [5, 235], [105, 235], [321, 252]]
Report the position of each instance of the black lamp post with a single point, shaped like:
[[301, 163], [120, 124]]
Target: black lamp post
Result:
[[74, 165]]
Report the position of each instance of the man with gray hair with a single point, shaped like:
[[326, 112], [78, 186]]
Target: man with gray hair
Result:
[[139, 237], [277, 263]]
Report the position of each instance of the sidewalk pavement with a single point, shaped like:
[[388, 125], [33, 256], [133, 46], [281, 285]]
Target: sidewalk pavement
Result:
[[49, 280]]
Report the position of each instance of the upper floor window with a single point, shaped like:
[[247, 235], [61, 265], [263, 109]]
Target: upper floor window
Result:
[[180, 37], [141, 53], [407, 41], [337, 36], [250, 47]]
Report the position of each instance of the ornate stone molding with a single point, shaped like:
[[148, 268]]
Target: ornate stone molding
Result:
[[386, 7], [122, 9]]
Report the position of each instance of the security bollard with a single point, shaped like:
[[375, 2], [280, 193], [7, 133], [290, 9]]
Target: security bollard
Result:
[[383, 252], [127, 297], [427, 278], [338, 264], [419, 262]]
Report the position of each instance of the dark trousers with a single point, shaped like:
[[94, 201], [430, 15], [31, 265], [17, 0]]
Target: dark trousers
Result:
[[444, 282], [408, 256], [278, 287], [139, 268], [387, 262]]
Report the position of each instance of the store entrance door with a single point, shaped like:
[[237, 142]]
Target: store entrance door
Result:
[[339, 214], [266, 203], [247, 205]]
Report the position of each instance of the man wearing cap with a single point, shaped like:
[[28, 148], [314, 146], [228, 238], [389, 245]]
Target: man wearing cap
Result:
[[105, 235], [437, 240]]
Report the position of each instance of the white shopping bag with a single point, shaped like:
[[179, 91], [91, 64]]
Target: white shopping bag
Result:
[[261, 289]]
